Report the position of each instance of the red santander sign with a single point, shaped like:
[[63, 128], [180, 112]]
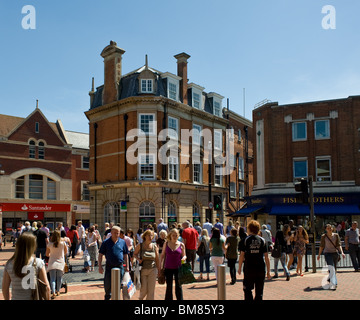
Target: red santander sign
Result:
[[36, 207]]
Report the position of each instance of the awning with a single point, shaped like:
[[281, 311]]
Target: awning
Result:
[[244, 212], [319, 209]]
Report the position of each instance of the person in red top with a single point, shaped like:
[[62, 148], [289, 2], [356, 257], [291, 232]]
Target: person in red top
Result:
[[190, 238], [73, 235]]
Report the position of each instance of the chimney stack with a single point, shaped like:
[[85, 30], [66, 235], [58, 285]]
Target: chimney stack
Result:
[[182, 72], [112, 55]]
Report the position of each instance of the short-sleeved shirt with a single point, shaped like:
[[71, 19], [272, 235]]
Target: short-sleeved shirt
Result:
[[191, 236], [353, 235], [18, 292], [219, 226], [114, 252], [41, 237], [254, 248], [232, 251]]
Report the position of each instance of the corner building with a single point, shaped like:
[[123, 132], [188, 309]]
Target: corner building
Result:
[[184, 186]]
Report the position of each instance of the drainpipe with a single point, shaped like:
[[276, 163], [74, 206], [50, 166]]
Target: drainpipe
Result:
[[95, 166]]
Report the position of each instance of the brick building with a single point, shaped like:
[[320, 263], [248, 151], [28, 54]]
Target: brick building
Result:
[[44, 171], [133, 186], [319, 139]]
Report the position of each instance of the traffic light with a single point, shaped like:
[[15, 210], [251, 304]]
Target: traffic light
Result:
[[302, 187], [217, 203]]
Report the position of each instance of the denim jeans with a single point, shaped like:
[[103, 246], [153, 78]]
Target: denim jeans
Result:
[[354, 250], [283, 263], [331, 261], [107, 280], [206, 259], [55, 280]]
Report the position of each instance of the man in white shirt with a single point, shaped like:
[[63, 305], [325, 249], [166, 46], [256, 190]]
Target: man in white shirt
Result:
[[208, 226], [82, 235]]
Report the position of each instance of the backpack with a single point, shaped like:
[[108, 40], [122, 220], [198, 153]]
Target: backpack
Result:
[[201, 251]]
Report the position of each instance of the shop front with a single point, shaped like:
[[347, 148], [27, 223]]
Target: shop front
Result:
[[335, 209], [52, 214]]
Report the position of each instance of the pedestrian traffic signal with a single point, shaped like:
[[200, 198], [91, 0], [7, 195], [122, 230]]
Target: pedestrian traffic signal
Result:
[[302, 186], [217, 203]]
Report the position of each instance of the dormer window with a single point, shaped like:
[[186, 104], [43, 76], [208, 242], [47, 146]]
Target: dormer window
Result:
[[172, 85], [196, 95], [216, 103], [147, 86]]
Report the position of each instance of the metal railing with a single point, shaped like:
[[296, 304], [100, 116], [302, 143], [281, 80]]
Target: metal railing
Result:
[[343, 263]]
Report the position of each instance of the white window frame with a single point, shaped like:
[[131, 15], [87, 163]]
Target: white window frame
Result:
[[173, 168], [146, 85], [147, 159], [307, 168], [151, 124], [241, 168], [171, 134], [239, 135], [323, 178], [217, 109], [294, 137], [86, 162], [171, 94], [218, 139], [199, 180], [232, 189], [84, 187], [241, 190], [218, 177], [196, 139], [327, 130]]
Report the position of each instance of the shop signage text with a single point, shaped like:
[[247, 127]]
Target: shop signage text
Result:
[[317, 200]]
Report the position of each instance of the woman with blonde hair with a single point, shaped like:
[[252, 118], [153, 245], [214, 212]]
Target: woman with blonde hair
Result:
[[147, 254], [20, 268], [56, 251], [301, 239], [172, 255]]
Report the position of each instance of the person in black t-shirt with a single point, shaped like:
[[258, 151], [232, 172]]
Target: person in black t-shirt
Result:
[[41, 240], [253, 251]]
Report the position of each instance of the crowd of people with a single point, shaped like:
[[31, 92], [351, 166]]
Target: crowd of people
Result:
[[159, 250]]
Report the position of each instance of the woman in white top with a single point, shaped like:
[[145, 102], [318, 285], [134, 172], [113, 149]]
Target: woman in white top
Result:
[[19, 270], [92, 247], [56, 251]]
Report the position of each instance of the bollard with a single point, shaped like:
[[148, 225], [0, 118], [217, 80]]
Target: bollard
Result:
[[221, 282], [115, 284]]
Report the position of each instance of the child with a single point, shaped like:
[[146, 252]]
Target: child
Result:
[[87, 262]]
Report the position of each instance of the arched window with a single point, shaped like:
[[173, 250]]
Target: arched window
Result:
[[146, 208], [32, 149], [112, 212], [36, 186]]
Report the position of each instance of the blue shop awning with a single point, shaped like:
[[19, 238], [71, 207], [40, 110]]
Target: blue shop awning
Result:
[[319, 209], [244, 212]]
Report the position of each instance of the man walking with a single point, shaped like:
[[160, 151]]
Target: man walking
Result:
[[116, 253], [352, 244], [208, 226], [219, 225], [162, 226], [253, 251], [190, 237], [41, 240], [82, 235]]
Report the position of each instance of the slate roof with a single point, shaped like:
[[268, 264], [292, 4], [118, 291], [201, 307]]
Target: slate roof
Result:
[[129, 87], [78, 140]]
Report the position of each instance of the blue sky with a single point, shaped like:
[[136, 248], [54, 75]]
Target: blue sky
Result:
[[276, 50]]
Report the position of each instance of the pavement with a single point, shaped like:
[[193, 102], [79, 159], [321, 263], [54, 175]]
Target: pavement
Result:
[[89, 286]]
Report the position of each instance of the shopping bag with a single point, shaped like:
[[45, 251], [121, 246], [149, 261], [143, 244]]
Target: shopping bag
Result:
[[128, 287], [137, 276], [185, 274]]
